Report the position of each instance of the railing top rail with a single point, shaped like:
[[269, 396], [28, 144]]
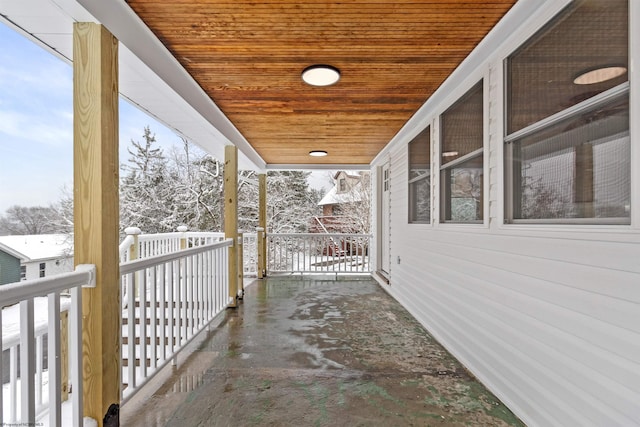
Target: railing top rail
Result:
[[319, 235], [178, 234], [139, 264], [18, 291]]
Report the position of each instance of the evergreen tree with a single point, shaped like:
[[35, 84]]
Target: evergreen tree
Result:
[[144, 199], [290, 202]]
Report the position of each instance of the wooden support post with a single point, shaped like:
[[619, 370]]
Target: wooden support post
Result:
[[231, 216], [261, 254], [262, 223], [240, 242], [64, 356], [134, 253], [96, 216], [183, 239]]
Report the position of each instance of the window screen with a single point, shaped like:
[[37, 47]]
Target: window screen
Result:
[[461, 171], [420, 178], [567, 150]]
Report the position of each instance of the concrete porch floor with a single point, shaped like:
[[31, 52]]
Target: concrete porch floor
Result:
[[311, 352]]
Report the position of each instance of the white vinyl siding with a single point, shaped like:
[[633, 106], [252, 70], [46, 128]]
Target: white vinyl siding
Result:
[[547, 316]]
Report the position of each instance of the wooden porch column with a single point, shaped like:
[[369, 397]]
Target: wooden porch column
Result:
[[96, 215], [262, 223], [231, 216]]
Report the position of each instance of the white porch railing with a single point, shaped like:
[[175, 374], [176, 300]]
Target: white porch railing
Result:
[[25, 395], [162, 243], [318, 253], [155, 244], [169, 299]]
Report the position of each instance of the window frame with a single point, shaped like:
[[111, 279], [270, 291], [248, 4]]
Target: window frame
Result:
[[506, 216], [442, 188], [428, 129]]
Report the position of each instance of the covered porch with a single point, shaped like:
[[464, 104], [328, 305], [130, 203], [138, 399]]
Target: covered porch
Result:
[[541, 306], [314, 350]]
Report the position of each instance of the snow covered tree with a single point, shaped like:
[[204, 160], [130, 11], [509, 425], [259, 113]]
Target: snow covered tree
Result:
[[290, 202], [248, 199], [145, 199], [63, 219], [23, 220], [196, 185]]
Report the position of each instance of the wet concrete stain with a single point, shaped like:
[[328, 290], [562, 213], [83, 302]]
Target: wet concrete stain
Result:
[[304, 352]]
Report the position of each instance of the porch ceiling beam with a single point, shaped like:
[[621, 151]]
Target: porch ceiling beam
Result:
[[96, 209]]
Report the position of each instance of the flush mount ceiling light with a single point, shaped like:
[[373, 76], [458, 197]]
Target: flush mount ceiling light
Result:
[[449, 153], [599, 75], [321, 75], [318, 153]]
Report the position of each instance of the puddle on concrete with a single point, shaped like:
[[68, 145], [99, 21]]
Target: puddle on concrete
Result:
[[324, 353]]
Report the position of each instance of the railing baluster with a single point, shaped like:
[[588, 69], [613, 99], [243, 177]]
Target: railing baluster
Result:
[[184, 284], [163, 309], [1, 371], [171, 307], [75, 348], [131, 336], [27, 362], [153, 332], [53, 360], [39, 368], [143, 323], [13, 383]]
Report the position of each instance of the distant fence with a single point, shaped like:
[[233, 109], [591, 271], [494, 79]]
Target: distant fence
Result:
[[318, 253]]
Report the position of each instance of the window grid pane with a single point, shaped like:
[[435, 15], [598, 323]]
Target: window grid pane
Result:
[[579, 168], [420, 178], [461, 182]]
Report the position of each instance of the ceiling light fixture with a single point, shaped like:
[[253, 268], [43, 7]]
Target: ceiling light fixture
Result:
[[321, 75], [599, 75], [318, 153], [449, 153]]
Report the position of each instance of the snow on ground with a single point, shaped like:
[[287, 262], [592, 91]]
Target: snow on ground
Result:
[[11, 316]]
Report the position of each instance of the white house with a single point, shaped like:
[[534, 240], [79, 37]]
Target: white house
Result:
[[508, 219], [40, 254]]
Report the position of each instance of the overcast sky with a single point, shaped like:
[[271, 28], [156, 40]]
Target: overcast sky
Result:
[[36, 125]]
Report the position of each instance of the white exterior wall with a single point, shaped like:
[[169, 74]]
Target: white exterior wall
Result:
[[548, 317], [52, 266]]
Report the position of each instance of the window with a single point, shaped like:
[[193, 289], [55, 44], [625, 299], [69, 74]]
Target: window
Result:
[[461, 159], [420, 178], [567, 149], [23, 272], [43, 266], [342, 184]]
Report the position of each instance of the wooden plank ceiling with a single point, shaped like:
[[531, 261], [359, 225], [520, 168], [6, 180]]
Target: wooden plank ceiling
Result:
[[248, 55]]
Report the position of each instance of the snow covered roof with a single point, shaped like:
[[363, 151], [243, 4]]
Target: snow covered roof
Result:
[[335, 198], [38, 246]]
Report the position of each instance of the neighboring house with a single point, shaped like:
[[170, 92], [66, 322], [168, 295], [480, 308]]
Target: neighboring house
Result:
[[34, 256], [346, 205]]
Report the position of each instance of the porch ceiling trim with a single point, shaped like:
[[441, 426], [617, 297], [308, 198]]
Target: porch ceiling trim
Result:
[[127, 27]]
